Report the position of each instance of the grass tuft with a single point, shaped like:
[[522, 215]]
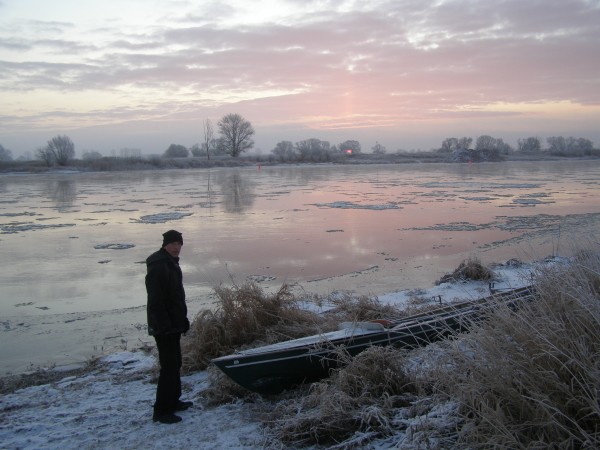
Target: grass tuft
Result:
[[471, 269], [246, 316], [357, 403]]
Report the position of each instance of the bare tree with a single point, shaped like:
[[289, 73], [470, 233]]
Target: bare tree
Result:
[[196, 150], [176, 151], [314, 150], [449, 145], [378, 149], [465, 142], [208, 136], [529, 145], [285, 151], [236, 133], [350, 147], [62, 148], [92, 155], [496, 146], [453, 144], [44, 154], [485, 142], [5, 154], [559, 145], [585, 146]]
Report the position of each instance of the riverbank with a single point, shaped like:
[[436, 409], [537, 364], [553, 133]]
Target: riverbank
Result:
[[110, 164]]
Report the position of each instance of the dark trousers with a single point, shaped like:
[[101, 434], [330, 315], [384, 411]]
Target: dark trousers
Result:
[[168, 390]]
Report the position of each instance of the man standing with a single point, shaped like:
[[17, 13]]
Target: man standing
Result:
[[167, 320]]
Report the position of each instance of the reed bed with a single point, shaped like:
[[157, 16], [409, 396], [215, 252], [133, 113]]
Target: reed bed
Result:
[[530, 378]]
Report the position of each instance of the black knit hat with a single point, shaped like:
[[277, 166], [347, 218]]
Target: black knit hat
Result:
[[172, 236]]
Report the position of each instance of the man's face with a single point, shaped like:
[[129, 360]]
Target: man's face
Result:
[[173, 249]]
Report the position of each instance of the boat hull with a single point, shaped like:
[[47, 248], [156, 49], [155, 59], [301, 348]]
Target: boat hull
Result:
[[272, 369]]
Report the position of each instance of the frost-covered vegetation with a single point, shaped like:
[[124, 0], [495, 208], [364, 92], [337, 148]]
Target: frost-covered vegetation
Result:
[[525, 378], [219, 152]]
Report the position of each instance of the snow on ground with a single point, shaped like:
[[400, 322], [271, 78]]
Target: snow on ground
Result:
[[110, 406]]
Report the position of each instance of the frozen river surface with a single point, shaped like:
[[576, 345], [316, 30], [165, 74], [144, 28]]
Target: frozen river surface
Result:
[[74, 244]]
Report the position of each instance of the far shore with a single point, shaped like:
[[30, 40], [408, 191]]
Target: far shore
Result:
[[108, 164]]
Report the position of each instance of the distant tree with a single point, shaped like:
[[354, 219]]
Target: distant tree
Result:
[[585, 146], [313, 150], [91, 155], [529, 145], [465, 142], [176, 151], [485, 142], [236, 133], [219, 147], [44, 154], [559, 145], [208, 136], [284, 151], [379, 149], [503, 148], [352, 147], [130, 153], [451, 145], [492, 145], [196, 150], [62, 148], [5, 154]]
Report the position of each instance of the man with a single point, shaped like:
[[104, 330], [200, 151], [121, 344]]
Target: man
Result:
[[167, 320]]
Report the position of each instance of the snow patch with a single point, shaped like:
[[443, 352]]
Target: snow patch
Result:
[[161, 217], [352, 205], [113, 246]]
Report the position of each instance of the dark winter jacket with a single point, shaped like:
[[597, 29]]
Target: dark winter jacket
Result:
[[166, 308]]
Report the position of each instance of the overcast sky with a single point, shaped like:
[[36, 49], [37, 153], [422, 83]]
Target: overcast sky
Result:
[[406, 73]]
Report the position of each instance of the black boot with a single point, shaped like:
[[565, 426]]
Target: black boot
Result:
[[182, 406]]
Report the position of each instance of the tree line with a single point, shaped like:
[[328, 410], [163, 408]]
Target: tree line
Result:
[[235, 137]]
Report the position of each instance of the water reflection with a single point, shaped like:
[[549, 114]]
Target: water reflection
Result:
[[237, 191], [62, 192]]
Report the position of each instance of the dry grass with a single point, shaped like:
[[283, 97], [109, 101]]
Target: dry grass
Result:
[[357, 401], [470, 269], [526, 378], [40, 376], [12, 383], [531, 378], [246, 316], [223, 390], [350, 308]]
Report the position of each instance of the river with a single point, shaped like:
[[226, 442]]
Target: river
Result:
[[74, 244]]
